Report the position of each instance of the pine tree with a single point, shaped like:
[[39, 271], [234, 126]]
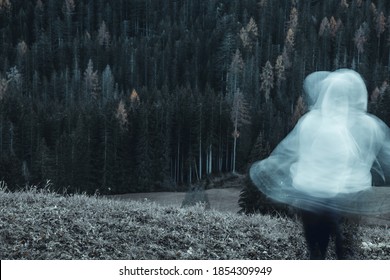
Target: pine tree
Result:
[[68, 9], [91, 83], [108, 85], [361, 38], [289, 42], [234, 75], [104, 35], [21, 53], [249, 34], [225, 53], [144, 161], [239, 116], [324, 27], [380, 27], [14, 80], [134, 100], [75, 91], [261, 149], [121, 115], [279, 72], [267, 80], [334, 26]]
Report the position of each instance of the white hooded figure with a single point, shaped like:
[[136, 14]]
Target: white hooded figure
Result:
[[327, 159]]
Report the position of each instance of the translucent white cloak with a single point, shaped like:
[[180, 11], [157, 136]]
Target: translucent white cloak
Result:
[[329, 157]]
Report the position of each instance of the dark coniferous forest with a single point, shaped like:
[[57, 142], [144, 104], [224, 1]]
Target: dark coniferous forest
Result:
[[152, 95]]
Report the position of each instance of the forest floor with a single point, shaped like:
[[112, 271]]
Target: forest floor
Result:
[[39, 224]]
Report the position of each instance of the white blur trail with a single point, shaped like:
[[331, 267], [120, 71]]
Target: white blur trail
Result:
[[331, 155]]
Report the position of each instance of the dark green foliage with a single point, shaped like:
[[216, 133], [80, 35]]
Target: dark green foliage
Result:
[[65, 66], [144, 159], [253, 201]]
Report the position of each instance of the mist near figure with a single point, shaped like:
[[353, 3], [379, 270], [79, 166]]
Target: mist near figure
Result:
[[330, 157]]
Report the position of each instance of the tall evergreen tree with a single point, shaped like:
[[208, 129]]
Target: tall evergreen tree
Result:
[[239, 116]]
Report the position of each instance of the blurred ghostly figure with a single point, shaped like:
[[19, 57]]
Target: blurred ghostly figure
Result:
[[325, 165]]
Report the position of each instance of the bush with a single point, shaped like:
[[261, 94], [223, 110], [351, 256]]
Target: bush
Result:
[[254, 201]]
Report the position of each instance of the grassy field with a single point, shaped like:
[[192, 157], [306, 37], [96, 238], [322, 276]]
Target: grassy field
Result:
[[42, 225]]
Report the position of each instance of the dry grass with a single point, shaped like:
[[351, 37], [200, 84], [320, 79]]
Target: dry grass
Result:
[[43, 225]]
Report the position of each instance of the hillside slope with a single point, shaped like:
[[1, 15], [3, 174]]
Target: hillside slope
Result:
[[43, 225]]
